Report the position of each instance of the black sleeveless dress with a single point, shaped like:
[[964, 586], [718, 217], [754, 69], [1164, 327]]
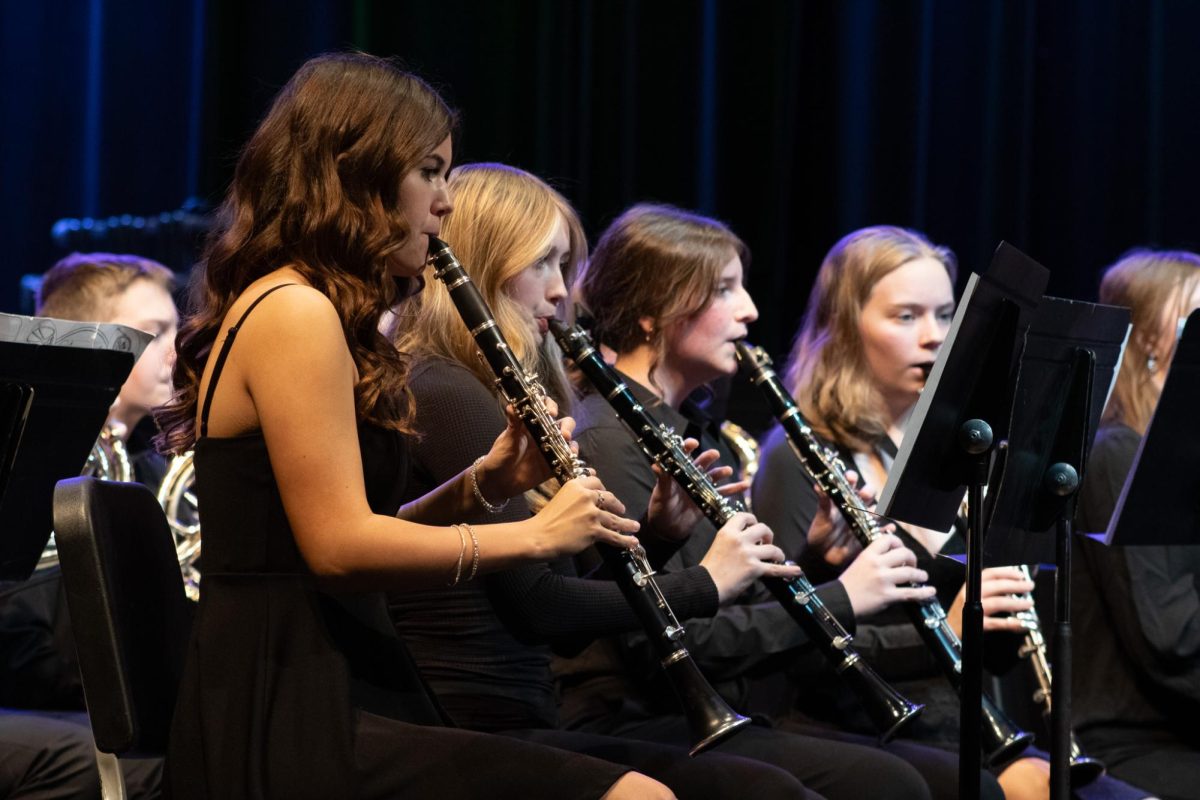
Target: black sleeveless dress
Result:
[[294, 692]]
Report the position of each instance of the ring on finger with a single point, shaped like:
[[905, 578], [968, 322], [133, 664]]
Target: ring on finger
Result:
[[600, 499]]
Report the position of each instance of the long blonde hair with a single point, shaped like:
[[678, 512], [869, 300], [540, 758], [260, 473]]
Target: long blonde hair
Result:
[[1155, 285], [502, 223], [827, 370]]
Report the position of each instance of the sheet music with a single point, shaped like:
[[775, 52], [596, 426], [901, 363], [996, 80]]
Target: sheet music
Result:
[[69, 333]]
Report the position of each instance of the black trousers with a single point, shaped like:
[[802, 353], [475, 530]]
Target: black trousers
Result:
[[708, 775], [831, 765], [1169, 769], [49, 755]]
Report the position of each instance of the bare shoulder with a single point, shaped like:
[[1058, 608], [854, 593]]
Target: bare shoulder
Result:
[[294, 304], [295, 320], [292, 334]]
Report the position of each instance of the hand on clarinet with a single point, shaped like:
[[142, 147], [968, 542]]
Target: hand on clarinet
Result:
[[997, 591], [877, 578], [515, 463], [829, 535], [581, 514], [741, 554], [671, 513]]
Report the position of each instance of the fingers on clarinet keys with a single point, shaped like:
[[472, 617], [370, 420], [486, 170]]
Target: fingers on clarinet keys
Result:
[[1005, 591], [574, 520], [741, 553], [882, 575], [898, 569]]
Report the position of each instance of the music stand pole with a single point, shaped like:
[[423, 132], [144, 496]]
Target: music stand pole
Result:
[[1063, 480], [975, 438]]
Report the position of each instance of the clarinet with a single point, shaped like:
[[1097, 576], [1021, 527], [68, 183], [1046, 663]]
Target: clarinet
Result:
[[1002, 740], [1084, 768], [888, 710], [710, 719]]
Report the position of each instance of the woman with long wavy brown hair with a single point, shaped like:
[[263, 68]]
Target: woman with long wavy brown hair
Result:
[[294, 684]]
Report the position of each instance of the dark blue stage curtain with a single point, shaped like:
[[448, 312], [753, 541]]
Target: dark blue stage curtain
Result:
[[1067, 128]]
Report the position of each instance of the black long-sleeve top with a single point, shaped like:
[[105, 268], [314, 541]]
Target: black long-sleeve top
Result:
[[784, 498], [484, 646], [1136, 616], [755, 634]]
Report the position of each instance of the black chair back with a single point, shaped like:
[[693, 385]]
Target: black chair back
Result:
[[129, 615]]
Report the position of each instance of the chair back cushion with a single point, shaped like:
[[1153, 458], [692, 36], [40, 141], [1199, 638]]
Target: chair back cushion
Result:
[[129, 614]]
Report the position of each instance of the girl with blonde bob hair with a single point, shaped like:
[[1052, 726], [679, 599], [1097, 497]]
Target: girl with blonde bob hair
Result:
[[489, 661], [827, 371], [880, 308]]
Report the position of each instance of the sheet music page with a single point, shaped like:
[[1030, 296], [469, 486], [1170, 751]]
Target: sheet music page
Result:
[[68, 333], [921, 410]]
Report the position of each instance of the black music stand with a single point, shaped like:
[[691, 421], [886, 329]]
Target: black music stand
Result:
[[1054, 421], [53, 402], [966, 405], [1145, 514], [1070, 361]]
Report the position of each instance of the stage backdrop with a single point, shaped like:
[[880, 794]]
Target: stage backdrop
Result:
[[1067, 128]]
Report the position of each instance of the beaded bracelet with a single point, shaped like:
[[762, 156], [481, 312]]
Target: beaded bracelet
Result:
[[488, 507]]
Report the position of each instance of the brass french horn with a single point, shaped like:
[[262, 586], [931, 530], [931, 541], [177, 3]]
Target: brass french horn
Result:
[[745, 448], [177, 496], [108, 461]]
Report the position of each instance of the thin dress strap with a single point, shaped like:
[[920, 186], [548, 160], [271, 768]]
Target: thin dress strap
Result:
[[224, 354]]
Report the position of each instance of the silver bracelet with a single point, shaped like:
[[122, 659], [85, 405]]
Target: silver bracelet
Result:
[[488, 507], [474, 553], [462, 549]]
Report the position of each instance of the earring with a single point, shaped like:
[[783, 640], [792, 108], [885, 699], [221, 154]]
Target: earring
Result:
[[1151, 364]]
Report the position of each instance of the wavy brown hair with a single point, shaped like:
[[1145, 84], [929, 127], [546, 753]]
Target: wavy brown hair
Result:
[[827, 370], [317, 189], [1156, 286], [654, 261], [502, 223]]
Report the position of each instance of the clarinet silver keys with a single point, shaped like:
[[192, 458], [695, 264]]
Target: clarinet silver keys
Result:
[[1002, 741], [1084, 768], [710, 719], [888, 710]]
